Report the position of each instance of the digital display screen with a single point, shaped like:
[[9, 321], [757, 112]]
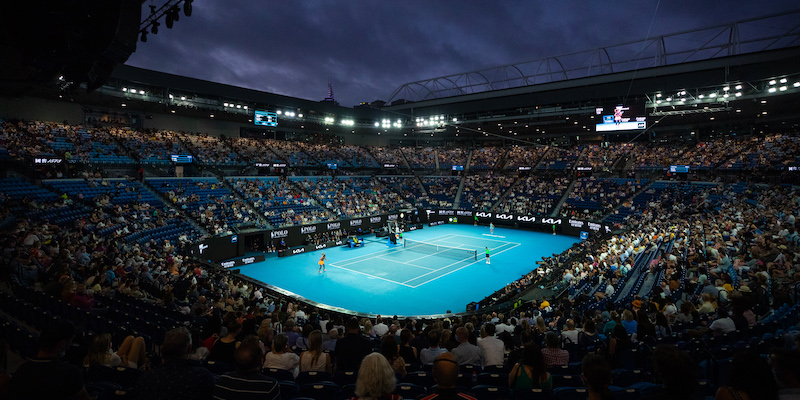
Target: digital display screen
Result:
[[458, 167], [583, 168], [524, 168], [621, 118], [679, 169], [181, 158], [389, 165], [333, 166], [265, 118]]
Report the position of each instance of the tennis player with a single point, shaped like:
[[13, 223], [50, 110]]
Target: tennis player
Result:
[[322, 263], [487, 256], [491, 228]]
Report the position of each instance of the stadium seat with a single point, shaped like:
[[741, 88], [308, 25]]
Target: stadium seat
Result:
[[321, 391], [570, 393], [489, 392], [289, 390], [409, 390]]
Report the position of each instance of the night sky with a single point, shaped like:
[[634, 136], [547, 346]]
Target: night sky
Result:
[[369, 48]]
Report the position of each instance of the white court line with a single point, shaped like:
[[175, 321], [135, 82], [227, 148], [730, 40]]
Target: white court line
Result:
[[436, 270], [493, 240], [371, 276], [405, 263], [376, 254], [458, 269]]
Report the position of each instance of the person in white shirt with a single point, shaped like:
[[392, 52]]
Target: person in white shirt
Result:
[[280, 358], [570, 332], [491, 347], [379, 329], [502, 326]]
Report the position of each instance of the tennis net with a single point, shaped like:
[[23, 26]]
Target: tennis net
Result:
[[440, 250]]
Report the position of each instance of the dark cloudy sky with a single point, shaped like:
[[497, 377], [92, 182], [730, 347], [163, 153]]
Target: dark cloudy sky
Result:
[[369, 48]]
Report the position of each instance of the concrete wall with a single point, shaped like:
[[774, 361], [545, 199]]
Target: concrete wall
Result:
[[30, 108]]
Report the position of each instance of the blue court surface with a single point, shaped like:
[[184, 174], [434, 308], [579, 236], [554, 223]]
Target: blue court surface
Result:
[[415, 279]]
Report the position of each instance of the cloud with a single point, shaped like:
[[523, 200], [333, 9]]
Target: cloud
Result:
[[367, 49]]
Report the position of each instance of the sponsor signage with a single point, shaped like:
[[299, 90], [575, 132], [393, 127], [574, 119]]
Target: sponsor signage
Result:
[[310, 247], [356, 222], [281, 233], [242, 261], [583, 168], [572, 227], [334, 226], [462, 213], [392, 217], [308, 229], [47, 161], [298, 251], [525, 168], [375, 220], [389, 165]]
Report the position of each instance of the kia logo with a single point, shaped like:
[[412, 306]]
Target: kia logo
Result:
[[202, 247], [298, 251], [483, 214]]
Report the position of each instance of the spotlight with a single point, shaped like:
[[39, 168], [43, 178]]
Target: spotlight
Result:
[[154, 28], [168, 20], [738, 87], [187, 7], [783, 80], [176, 13], [144, 35]]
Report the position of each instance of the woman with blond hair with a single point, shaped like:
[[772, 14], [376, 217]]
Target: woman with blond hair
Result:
[[376, 379], [315, 359], [130, 354]]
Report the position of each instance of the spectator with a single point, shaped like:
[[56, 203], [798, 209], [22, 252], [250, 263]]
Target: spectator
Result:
[[570, 333], [407, 351], [628, 322], [224, 348], [330, 344], [466, 353], [749, 378], [677, 371], [247, 382], [315, 359], [428, 354], [553, 353], [530, 372], [45, 376], [445, 373], [596, 376], [179, 377], [131, 353], [376, 379], [352, 348], [281, 357], [389, 349], [786, 367], [492, 348], [379, 329]]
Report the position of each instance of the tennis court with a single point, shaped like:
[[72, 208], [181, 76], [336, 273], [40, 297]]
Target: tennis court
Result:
[[418, 279], [418, 263]]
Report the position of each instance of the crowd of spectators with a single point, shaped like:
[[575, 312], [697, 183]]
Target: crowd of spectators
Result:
[[389, 155], [602, 157], [450, 157], [211, 150], [486, 158], [519, 156], [592, 198], [441, 191], [280, 201], [358, 157], [481, 192], [558, 158], [698, 284], [534, 196], [420, 157]]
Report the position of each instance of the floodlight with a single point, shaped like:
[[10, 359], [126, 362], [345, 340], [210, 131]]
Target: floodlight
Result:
[[772, 90], [783, 80]]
